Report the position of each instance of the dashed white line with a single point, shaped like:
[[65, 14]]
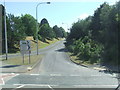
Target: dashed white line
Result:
[[96, 75], [35, 74], [74, 75], [55, 75]]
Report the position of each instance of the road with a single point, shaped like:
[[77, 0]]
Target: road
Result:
[[56, 70]]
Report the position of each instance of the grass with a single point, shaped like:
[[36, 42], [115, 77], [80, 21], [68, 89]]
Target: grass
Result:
[[43, 44], [76, 60], [19, 60], [34, 58], [40, 44]]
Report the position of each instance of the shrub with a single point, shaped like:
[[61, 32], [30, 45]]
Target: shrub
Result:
[[88, 50]]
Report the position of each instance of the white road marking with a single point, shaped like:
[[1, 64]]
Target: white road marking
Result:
[[16, 75], [7, 75], [74, 75], [3, 83], [94, 86], [50, 87], [96, 68], [34, 85], [55, 75], [35, 74], [20, 86], [96, 75]]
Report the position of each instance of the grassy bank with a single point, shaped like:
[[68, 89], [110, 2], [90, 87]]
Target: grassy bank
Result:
[[76, 60], [43, 44], [33, 45]]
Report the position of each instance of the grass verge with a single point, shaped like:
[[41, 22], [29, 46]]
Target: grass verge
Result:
[[77, 61], [19, 60]]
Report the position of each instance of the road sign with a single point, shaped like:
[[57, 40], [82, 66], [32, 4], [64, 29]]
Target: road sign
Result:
[[25, 46]]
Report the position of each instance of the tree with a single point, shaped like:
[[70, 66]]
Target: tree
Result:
[[46, 32], [103, 32], [29, 23], [15, 28], [64, 34], [60, 32]]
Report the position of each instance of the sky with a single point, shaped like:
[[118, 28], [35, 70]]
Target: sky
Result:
[[60, 13]]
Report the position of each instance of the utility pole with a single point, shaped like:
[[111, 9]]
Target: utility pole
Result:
[[5, 27]]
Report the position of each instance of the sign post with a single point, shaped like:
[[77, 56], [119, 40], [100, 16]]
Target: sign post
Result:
[[25, 48], [29, 57], [23, 58]]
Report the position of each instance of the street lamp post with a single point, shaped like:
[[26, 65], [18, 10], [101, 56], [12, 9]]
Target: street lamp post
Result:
[[5, 27], [37, 22]]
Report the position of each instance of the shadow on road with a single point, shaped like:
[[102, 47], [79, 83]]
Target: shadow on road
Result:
[[10, 66], [62, 50]]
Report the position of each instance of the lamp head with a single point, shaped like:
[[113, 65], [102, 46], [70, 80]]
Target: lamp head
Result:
[[48, 2]]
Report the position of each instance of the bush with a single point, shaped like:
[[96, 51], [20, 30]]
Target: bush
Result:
[[71, 48], [88, 50]]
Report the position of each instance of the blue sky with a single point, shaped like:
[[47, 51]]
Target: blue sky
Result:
[[57, 13]]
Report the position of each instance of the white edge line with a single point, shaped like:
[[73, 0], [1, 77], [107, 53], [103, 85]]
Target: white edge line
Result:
[[95, 85], [35, 85], [20, 86], [50, 87]]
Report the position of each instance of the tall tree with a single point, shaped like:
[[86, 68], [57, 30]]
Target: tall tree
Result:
[[46, 32], [58, 31], [29, 24], [16, 32]]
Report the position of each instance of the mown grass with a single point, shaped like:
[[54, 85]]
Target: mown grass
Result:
[[19, 60]]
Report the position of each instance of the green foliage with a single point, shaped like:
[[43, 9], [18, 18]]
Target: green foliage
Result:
[[46, 32], [96, 38], [80, 29], [29, 23], [58, 31], [15, 28], [88, 50]]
